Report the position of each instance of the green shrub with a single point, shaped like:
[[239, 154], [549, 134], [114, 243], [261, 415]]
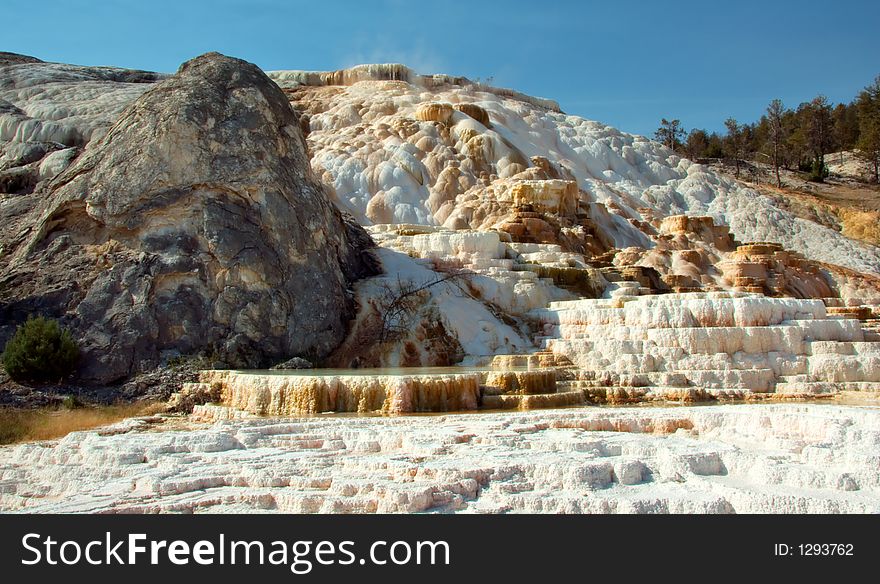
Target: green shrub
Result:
[[818, 171], [40, 350], [71, 402]]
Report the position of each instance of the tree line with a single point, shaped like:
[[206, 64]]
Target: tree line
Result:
[[789, 138]]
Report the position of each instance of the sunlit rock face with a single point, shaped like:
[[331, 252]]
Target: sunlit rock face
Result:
[[716, 459], [194, 224]]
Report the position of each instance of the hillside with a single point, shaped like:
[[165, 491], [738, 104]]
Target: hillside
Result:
[[845, 201], [445, 175], [393, 244]]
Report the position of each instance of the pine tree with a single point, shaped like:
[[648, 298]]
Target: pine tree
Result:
[[670, 133], [846, 125], [819, 134], [734, 141], [697, 144], [869, 126]]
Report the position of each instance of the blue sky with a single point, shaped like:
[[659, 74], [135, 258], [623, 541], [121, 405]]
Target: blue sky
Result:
[[625, 63]]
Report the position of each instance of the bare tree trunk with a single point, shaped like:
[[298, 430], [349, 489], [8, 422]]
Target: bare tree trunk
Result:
[[776, 163]]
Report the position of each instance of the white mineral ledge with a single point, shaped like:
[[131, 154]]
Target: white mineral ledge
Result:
[[776, 458]]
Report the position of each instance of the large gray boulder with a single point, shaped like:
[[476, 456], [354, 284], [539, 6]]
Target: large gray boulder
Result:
[[195, 225]]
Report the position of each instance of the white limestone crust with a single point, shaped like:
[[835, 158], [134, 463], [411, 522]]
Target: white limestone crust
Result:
[[715, 459]]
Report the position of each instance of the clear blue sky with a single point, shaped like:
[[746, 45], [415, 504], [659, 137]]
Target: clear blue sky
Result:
[[625, 63]]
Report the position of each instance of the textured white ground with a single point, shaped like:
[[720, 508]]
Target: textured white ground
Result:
[[61, 103], [782, 458]]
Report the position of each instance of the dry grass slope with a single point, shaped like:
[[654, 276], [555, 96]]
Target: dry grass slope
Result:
[[17, 425], [861, 225]]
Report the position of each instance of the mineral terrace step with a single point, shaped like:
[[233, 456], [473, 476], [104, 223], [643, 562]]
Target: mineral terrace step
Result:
[[802, 378], [822, 387], [534, 401], [621, 395]]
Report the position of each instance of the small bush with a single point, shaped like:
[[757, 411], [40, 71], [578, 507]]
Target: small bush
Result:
[[818, 171], [71, 402], [40, 350]]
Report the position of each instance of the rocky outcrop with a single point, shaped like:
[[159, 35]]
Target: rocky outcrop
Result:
[[194, 225], [294, 363]]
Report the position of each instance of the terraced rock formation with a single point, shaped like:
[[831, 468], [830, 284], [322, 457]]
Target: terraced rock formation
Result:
[[231, 215], [161, 216], [779, 458]]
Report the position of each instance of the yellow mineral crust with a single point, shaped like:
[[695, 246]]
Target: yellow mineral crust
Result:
[[282, 395], [523, 382], [474, 111], [434, 112]]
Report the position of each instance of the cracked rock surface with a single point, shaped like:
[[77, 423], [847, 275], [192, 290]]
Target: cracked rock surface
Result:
[[194, 223]]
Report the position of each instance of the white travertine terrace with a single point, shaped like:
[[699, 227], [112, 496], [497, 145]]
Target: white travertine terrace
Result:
[[630, 330], [499, 278], [387, 166], [471, 322], [462, 245], [717, 344], [779, 458], [541, 210], [395, 72], [383, 392], [673, 347], [376, 138], [65, 104]]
